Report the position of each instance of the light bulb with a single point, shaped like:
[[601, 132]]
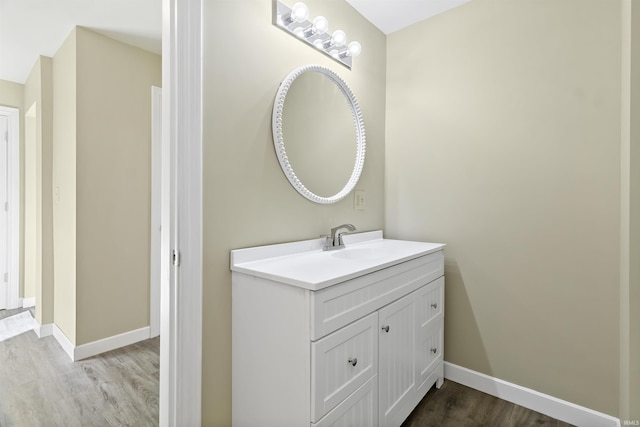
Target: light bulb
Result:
[[338, 38], [299, 12], [318, 43], [299, 32], [354, 49], [320, 25]]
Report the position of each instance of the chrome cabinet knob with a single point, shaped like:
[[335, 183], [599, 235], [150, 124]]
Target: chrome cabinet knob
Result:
[[434, 305], [434, 350], [385, 328], [353, 361]]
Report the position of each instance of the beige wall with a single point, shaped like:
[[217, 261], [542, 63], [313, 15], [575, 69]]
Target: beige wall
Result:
[[32, 205], [247, 199], [38, 97], [113, 185], [503, 141], [102, 188], [11, 94], [64, 186], [44, 296]]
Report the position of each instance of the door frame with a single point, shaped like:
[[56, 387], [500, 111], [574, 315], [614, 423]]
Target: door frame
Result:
[[181, 297], [158, 267], [13, 196]]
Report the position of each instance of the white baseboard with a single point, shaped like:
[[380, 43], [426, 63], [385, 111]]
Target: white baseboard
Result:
[[64, 342], [531, 399], [83, 351], [28, 302], [43, 330], [110, 343]]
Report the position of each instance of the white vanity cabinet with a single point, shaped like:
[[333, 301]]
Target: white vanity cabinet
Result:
[[410, 351], [349, 338]]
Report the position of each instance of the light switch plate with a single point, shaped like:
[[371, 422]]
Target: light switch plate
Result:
[[359, 201]]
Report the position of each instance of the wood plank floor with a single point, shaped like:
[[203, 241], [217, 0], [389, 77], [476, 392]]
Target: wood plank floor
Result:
[[456, 405], [41, 386]]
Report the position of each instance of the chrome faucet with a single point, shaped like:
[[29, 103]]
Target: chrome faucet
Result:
[[334, 241]]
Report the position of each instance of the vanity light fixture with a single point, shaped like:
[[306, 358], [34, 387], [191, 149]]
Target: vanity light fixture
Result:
[[316, 33], [299, 12]]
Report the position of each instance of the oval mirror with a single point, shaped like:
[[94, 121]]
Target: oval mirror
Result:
[[318, 134]]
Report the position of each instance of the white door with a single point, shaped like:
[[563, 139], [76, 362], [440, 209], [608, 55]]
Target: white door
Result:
[[397, 380], [4, 217]]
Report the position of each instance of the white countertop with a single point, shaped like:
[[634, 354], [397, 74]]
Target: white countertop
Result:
[[306, 265]]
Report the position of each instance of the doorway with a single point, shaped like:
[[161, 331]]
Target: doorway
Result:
[[9, 207]]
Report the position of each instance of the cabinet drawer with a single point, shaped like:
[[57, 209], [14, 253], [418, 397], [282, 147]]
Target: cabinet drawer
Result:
[[359, 409], [341, 304], [430, 349], [431, 302], [341, 363]]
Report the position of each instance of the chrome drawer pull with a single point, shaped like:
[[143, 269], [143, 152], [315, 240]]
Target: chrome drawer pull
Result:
[[434, 305], [385, 328], [434, 350], [353, 361]]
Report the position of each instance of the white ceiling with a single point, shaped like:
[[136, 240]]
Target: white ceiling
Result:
[[394, 15], [29, 28]]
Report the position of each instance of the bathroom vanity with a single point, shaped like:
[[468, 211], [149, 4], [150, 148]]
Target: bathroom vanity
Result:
[[346, 337]]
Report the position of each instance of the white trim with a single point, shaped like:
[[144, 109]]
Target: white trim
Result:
[[13, 196], [167, 390], [83, 351], [110, 343], [28, 302], [156, 211], [181, 311], [625, 210], [64, 342], [531, 399], [43, 330]]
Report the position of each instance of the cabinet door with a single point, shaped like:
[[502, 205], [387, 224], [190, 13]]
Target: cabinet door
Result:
[[397, 350], [429, 332]]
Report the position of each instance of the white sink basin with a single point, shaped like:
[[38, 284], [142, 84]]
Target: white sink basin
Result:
[[306, 265], [359, 253]]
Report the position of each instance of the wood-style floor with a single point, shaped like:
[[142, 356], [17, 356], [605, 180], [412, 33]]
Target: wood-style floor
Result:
[[41, 386], [456, 405]]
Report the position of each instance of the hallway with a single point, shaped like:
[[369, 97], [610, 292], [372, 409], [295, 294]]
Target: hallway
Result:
[[41, 386]]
